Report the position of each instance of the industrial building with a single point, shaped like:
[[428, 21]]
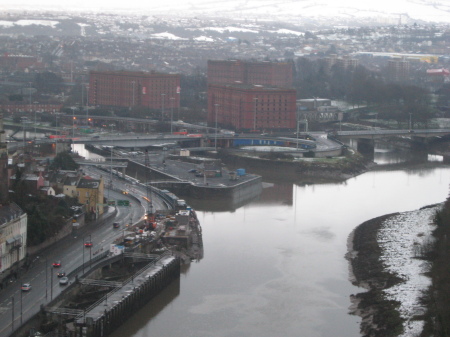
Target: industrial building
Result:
[[278, 74], [251, 107], [127, 89]]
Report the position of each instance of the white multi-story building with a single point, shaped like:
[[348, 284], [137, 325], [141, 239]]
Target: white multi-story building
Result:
[[13, 236]]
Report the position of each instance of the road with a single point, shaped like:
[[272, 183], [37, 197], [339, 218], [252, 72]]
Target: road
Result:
[[17, 306]]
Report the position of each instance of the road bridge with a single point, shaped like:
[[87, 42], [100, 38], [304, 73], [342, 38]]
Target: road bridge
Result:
[[364, 140], [383, 133]]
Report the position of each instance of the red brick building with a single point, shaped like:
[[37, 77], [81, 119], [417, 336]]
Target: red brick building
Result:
[[250, 72], [251, 107], [128, 89]]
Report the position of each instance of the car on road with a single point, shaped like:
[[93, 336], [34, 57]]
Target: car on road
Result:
[[57, 264], [192, 171], [116, 225], [26, 287], [64, 280], [61, 273], [88, 244]]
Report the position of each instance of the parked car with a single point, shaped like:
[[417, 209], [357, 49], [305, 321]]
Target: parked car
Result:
[[61, 273], [88, 244], [26, 287], [57, 264], [64, 280]]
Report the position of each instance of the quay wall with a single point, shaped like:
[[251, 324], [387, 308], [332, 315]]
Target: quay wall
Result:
[[142, 293], [246, 190]]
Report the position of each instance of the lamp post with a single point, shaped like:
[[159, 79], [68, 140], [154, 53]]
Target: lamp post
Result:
[[215, 137], [87, 106], [111, 150], [51, 286], [133, 93], [73, 122], [34, 121], [171, 113], [56, 138], [12, 312], [254, 113], [298, 122], [410, 120], [84, 240], [46, 278], [162, 106], [29, 89], [21, 308]]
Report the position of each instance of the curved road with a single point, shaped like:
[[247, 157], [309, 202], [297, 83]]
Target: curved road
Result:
[[71, 252]]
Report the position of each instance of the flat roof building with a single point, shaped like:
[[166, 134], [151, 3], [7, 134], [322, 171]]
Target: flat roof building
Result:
[[250, 72], [127, 89], [251, 107]]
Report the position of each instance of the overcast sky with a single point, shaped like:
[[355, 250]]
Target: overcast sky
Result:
[[430, 10]]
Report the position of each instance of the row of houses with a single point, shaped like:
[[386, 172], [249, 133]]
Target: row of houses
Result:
[[74, 184]]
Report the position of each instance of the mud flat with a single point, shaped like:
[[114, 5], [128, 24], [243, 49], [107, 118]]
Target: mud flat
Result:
[[386, 259]]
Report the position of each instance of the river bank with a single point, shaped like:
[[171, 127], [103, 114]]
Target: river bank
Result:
[[386, 259]]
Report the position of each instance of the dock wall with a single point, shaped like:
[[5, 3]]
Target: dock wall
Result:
[[124, 306]]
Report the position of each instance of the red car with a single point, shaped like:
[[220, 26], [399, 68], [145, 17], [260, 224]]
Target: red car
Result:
[[88, 244], [57, 264]]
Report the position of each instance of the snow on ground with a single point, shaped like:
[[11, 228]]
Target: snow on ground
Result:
[[399, 237], [28, 23], [168, 36]]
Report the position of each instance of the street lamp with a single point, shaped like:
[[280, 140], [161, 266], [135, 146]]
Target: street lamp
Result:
[[254, 113], [111, 150], [56, 138], [133, 92], [46, 278], [84, 240], [73, 122], [35, 120], [87, 106], [29, 89], [215, 137], [162, 106], [171, 113], [410, 120]]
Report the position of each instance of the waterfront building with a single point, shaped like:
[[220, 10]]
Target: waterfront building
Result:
[[250, 72], [251, 107], [128, 89]]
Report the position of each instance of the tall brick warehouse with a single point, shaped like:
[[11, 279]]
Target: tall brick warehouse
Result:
[[251, 107], [250, 95], [127, 89], [278, 74]]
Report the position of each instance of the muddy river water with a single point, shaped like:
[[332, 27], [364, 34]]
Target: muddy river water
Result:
[[276, 266]]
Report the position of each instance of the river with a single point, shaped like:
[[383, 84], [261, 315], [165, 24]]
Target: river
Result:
[[276, 266]]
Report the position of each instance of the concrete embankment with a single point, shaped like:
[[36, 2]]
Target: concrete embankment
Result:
[[307, 169]]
